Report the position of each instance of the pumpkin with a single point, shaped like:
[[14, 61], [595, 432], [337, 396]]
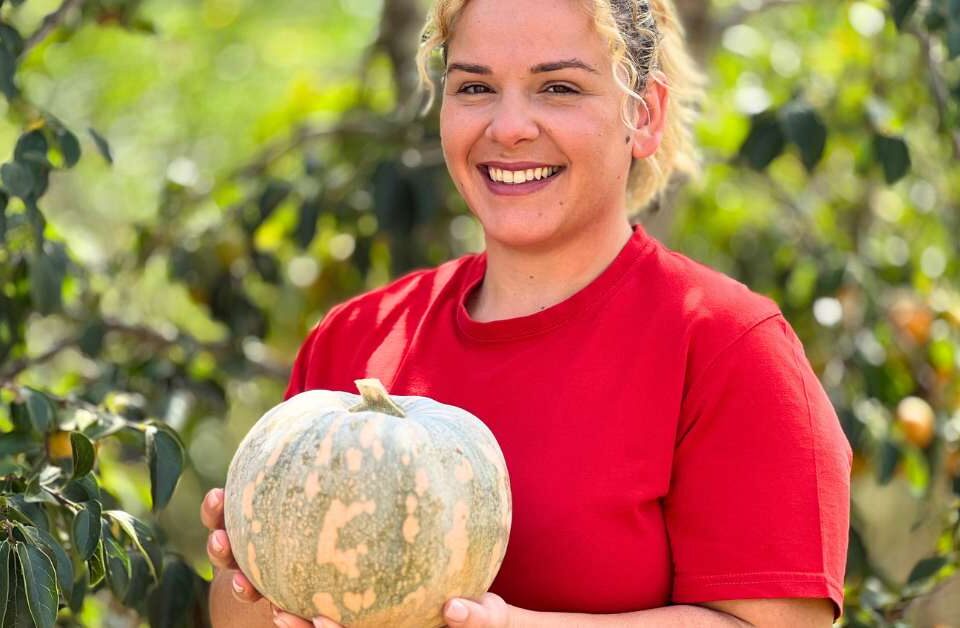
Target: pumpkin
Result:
[[370, 510]]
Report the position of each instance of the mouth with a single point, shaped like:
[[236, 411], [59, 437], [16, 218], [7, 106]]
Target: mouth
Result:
[[520, 178]]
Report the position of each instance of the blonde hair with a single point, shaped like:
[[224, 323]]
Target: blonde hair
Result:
[[646, 42]]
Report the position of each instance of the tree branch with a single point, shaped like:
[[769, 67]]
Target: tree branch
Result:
[[50, 22], [940, 93]]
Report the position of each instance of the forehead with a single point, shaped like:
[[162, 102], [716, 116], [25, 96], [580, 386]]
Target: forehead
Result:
[[524, 32]]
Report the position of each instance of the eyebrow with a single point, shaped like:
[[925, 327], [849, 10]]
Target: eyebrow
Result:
[[552, 66]]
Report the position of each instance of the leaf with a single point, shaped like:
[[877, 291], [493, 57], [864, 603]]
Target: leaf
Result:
[[139, 581], [118, 565], [165, 459], [82, 489], [143, 537], [4, 578], [63, 567], [804, 128], [926, 568], [46, 283], [86, 530], [69, 146], [79, 591], [40, 582], [171, 600], [764, 142], [901, 10], [887, 461], [96, 566], [91, 338], [8, 68], [102, 145], [4, 199], [306, 227], [40, 410], [83, 454], [11, 40], [893, 155], [31, 148], [28, 512], [953, 39], [18, 611], [17, 443], [16, 177]]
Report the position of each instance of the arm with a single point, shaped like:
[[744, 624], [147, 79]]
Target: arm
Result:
[[492, 612]]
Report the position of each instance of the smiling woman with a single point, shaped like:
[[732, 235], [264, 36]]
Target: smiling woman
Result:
[[653, 413]]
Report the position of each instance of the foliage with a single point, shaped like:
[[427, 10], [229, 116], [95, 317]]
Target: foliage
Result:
[[189, 186]]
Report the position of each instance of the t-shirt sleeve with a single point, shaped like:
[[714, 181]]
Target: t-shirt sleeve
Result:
[[759, 498]]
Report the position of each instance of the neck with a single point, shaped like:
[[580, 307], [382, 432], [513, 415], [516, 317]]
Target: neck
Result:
[[519, 282]]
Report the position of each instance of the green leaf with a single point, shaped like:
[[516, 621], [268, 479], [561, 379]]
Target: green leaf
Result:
[[893, 155], [46, 283], [118, 565], [40, 410], [79, 591], [926, 568], [143, 537], [63, 567], [764, 142], [96, 566], [139, 581], [953, 39], [4, 578], [4, 199], [17, 443], [82, 489], [86, 530], [28, 512], [18, 611], [69, 146], [91, 338], [901, 10], [40, 582], [102, 145], [17, 178], [11, 39], [804, 128], [31, 148], [887, 461], [170, 602], [165, 459], [83, 454], [8, 68]]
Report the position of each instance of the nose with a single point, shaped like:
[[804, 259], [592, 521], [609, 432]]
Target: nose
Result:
[[512, 122]]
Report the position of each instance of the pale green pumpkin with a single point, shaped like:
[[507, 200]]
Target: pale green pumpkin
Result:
[[372, 510]]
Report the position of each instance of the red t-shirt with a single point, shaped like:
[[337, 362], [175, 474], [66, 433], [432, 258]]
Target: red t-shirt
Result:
[[666, 438]]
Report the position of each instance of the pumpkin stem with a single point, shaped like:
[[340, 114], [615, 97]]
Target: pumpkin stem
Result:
[[376, 398]]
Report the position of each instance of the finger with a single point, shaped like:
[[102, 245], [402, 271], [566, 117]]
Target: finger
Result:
[[461, 613], [286, 620], [219, 551], [243, 590], [211, 509]]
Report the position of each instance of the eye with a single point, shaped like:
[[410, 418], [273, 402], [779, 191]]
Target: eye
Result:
[[560, 88], [473, 89]]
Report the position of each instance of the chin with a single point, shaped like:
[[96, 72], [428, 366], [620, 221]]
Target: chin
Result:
[[519, 234]]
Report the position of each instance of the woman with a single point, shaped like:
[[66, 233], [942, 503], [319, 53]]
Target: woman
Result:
[[709, 484]]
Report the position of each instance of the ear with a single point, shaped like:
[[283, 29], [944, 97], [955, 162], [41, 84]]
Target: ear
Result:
[[650, 119]]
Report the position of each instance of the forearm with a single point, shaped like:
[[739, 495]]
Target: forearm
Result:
[[227, 611], [665, 617]]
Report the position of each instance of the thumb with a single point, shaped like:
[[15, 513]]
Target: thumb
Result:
[[459, 611]]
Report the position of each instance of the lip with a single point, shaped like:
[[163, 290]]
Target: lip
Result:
[[515, 189]]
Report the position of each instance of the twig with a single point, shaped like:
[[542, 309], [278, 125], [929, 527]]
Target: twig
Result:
[[23, 364], [939, 85], [50, 22]]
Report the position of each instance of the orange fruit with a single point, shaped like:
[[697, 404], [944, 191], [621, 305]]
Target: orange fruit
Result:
[[58, 445], [916, 420]]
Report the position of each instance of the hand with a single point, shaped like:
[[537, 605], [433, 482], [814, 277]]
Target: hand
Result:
[[218, 546], [490, 611]]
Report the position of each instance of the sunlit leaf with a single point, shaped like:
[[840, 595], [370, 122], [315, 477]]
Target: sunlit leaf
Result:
[[39, 580], [96, 565], [143, 537]]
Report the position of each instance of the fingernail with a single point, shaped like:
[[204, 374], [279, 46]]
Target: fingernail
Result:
[[214, 500], [280, 622], [237, 587], [217, 545], [456, 611], [319, 623]]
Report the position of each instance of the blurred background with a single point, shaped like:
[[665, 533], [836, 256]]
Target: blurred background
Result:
[[245, 165]]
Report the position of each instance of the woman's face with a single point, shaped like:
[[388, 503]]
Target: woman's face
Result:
[[530, 96]]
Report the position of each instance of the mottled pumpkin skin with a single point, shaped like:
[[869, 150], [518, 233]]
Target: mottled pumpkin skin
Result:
[[368, 519]]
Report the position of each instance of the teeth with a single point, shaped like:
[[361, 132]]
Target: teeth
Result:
[[521, 176]]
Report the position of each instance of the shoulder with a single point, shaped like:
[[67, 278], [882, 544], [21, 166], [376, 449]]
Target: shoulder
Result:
[[713, 308], [411, 295]]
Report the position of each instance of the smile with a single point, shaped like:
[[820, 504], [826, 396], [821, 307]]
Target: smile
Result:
[[515, 177]]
